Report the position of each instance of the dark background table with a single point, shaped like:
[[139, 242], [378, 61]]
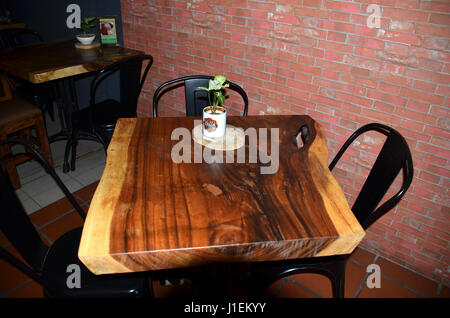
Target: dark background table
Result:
[[61, 62]]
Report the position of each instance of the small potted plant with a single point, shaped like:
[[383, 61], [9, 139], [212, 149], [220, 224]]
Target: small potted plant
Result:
[[87, 37], [215, 115]]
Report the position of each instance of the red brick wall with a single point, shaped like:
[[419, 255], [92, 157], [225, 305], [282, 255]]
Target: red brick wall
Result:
[[319, 57]]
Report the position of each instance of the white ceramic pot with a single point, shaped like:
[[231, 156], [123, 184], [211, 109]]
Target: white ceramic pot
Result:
[[214, 125], [86, 39]]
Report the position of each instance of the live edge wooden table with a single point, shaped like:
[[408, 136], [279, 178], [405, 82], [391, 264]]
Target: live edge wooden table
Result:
[[151, 213], [60, 61]]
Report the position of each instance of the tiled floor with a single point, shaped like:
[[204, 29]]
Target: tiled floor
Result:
[[396, 281], [39, 190], [53, 215]]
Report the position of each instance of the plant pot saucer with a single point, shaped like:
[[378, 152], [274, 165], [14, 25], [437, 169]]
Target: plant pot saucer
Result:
[[93, 45], [234, 138]]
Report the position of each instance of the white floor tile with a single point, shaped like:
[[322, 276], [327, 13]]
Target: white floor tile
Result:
[[39, 189], [30, 205], [22, 195], [58, 149], [50, 195], [29, 171], [90, 176], [88, 162], [43, 183]]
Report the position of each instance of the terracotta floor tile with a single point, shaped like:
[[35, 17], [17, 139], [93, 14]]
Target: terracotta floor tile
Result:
[[30, 290], [292, 290], [388, 289], [70, 221], [50, 212], [87, 192], [319, 284], [362, 256], [10, 277], [445, 292], [354, 275], [273, 288], [407, 277]]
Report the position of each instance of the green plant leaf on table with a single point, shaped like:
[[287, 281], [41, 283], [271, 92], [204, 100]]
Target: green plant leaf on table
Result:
[[86, 25], [215, 87]]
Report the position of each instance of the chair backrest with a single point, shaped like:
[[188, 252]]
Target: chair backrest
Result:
[[14, 37], [393, 157], [131, 81], [15, 223], [196, 99]]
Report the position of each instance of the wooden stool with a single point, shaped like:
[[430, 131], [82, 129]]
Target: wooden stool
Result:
[[17, 116]]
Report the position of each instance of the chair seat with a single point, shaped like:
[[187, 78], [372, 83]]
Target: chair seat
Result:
[[16, 110], [40, 95], [98, 121], [64, 252], [43, 92], [104, 113]]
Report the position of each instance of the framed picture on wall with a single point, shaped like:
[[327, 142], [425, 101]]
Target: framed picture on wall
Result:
[[108, 30]]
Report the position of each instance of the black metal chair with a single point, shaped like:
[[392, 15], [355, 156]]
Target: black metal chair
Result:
[[196, 99], [393, 157], [41, 95], [14, 37], [97, 121], [49, 265]]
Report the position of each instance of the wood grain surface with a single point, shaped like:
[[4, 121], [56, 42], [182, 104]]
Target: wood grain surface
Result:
[[151, 213], [53, 60]]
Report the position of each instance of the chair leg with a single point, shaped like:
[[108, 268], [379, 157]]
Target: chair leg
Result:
[[338, 270], [265, 274], [51, 111], [41, 132], [26, 135], [10, 166], [339, 287], [74, 148], [66, 165], [260, 279]]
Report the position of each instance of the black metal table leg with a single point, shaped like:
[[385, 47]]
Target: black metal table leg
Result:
[[67, 102]]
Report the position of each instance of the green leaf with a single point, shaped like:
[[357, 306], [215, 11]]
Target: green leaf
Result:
[[220, 79], [214, 85], [220, 97]]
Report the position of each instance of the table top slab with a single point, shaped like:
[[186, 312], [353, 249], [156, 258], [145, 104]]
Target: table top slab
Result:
[[42, 62], [149, 212]]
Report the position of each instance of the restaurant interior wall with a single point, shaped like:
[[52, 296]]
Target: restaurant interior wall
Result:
[[343, 65]]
